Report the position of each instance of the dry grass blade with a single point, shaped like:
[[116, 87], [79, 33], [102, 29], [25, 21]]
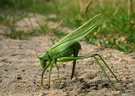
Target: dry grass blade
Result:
[[88, 5]]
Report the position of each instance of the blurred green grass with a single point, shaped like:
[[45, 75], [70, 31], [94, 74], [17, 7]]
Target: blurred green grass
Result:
[[117, 29]]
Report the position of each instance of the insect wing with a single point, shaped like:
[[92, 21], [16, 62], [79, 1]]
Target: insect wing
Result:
[[80, 32]]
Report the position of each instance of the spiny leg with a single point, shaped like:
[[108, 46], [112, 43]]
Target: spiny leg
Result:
[[66, 59], [44, 72], [50, 74], [94, 55], [75, 53], [108, 67], [104, 72]]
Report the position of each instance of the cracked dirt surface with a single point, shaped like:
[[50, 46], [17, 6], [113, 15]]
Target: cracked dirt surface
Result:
[[20, 71]]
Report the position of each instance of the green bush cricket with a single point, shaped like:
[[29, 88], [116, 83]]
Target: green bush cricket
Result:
[[67, 49]]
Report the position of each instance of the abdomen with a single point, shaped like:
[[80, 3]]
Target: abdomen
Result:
[[68, 51]]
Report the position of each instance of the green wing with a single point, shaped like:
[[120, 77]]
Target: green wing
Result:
[[77, 34], [80, 32]]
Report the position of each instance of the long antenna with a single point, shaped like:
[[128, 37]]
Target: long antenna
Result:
[[36, 53]]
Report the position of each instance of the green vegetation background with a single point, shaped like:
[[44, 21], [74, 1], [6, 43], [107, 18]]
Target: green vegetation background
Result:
[[117, 29]]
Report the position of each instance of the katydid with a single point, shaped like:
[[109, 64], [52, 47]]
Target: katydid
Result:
[[67, 49]]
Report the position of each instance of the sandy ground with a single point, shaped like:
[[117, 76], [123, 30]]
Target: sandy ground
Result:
[[20, 71]]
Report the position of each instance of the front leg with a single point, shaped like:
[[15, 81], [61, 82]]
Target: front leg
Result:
[[49, 63]]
